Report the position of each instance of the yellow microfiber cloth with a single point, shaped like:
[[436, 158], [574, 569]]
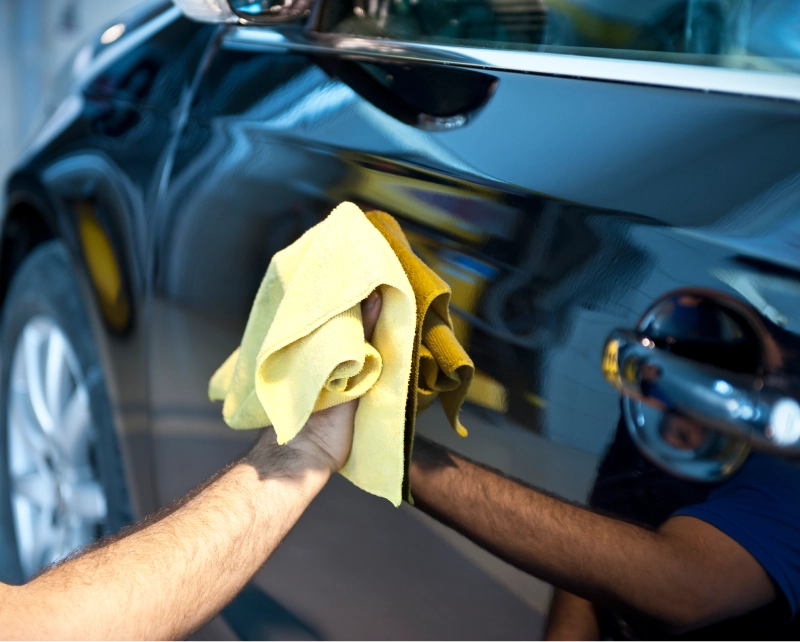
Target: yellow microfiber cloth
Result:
[[441, 367], [303, 348]]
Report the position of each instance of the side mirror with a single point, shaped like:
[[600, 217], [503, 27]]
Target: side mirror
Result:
[[264, 12]]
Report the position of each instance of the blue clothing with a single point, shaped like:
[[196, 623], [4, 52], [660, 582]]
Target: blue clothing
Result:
[[759, 507]]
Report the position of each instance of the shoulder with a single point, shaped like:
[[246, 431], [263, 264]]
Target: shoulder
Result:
[[764, 497], [759, 507]]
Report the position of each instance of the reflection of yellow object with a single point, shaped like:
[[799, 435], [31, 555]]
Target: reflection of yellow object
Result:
[[103, 268], [488, 392], [535, 400], [467, 288], [607, 31], [402, 196], [465, 211], [730, 449], [630, 369], [611, 363]]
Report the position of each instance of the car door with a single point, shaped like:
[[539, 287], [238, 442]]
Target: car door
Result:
[[561, 166]]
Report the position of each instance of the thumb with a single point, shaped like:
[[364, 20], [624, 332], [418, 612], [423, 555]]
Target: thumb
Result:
[[370, 311]]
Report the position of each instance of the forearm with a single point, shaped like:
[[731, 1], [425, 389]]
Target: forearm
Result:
[[571, 618], [603, 560], [170, 578], [176, 571]]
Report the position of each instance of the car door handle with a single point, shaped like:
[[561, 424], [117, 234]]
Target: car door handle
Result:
[[431, 97], [760, 409]]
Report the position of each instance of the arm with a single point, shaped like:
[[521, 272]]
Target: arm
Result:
[[571, 618], [169, 578], [172, 575], [687, 574]]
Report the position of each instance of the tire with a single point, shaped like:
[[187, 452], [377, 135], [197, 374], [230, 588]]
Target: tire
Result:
[[59, 458]]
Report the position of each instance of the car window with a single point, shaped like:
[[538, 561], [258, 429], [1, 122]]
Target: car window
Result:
[[749, 34]]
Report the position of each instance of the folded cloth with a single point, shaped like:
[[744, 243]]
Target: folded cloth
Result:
[[303, 348], [441, 367]]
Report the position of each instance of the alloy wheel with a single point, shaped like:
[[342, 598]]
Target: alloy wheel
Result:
[[58, 501]]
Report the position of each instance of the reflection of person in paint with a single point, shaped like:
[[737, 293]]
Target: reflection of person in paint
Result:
[[720, 561], [682, 433], [167, 576], [654, 555]]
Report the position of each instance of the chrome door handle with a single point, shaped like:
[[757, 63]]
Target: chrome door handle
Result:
[[760, 409]]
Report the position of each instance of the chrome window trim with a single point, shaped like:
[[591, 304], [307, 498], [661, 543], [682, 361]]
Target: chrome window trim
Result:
[[638, 72]]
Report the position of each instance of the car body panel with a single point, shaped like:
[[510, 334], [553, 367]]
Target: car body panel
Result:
[[98, 163], [558, 209]]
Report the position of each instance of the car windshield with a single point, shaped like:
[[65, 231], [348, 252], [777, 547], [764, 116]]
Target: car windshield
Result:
[[745, 34]]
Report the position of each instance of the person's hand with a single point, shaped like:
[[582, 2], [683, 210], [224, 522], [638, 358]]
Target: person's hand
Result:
[[326, 439]]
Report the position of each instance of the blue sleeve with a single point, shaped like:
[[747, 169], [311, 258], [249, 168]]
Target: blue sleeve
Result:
[[760, 509]]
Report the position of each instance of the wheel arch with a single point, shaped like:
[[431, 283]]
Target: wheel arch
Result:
[[32, 216], [28, 221]]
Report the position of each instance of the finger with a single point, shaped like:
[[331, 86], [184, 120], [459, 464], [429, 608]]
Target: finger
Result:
[[370, 311]]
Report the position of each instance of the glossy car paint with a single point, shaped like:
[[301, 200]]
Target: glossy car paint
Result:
[[557, 208]]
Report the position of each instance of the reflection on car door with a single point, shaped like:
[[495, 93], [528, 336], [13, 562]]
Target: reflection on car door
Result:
[[271, 145], [558, 209]]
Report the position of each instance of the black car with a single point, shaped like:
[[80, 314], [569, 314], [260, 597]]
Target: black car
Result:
[[593, 178]]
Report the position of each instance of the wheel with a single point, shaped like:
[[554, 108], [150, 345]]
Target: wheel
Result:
[[61, 480]]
